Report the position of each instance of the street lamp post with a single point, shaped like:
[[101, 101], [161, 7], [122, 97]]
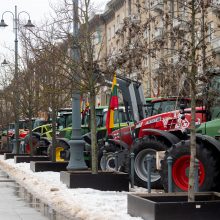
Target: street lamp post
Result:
[[16, 93], [76, 143]]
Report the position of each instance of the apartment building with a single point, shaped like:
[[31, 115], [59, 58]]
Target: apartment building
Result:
[[150, 41]]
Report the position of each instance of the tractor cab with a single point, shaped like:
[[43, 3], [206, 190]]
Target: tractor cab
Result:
[[22, 125], [120, 118], [161, 105], [39, 122], [64, 120]]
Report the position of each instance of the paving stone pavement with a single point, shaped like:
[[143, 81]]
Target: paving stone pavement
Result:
[[13, 207]]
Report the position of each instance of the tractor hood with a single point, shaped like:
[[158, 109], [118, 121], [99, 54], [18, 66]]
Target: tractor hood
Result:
[[171, 121]]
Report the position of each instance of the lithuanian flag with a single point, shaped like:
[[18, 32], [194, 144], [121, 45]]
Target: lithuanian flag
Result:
[[113, 103]]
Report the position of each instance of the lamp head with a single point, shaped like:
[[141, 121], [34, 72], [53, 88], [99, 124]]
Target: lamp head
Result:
[[3, 24], [29, 24], [4, 62]]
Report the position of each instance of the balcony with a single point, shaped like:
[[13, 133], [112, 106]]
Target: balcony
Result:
[[158, 34], [135, 19], [215, 43], [157, 5], [146, 34], [175, 59], [215, 5], [180, 24]]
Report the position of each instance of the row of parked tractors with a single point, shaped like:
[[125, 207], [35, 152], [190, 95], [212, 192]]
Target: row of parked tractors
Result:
[[161, 131]]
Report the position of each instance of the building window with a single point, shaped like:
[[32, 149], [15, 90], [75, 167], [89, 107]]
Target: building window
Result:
[[210, 31], [145, 62], [109, 33], [99, 36]]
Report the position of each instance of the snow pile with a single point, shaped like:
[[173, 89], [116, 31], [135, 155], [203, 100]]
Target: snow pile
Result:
[[86, 204]]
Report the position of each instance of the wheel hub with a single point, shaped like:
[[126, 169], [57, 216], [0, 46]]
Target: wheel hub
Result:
[[180, 172], [140, 165]]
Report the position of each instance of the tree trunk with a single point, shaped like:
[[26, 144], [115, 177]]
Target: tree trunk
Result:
[[192, 78], [31, 136], [94, 147], [53, 135]]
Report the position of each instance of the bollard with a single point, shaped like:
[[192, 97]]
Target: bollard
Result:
[[196, 175], [170, 179], [149, 161], [104, 159], [116, 160], [132, 169]]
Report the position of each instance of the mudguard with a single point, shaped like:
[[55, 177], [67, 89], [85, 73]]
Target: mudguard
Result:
[[65, 140], [171, 138], [209, 139], [87, 138], [48, 142], [118, 142], [36, 134]]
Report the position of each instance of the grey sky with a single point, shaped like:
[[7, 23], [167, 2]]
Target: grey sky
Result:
[[38, 10]]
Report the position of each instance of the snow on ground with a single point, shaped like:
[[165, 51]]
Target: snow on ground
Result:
[[85, 204]]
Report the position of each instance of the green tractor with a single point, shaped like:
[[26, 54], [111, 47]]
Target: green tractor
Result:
[[38, 146], [42, 134], [64, 135], [208, 148]]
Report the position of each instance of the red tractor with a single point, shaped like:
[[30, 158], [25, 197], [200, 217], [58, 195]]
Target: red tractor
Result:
[[149, 135]]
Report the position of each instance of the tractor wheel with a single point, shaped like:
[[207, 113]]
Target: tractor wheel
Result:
[[61, 146], [181, 160], [110, 158], [141, 148]]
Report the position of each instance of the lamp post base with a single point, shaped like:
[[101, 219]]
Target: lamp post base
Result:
[[76, 161]]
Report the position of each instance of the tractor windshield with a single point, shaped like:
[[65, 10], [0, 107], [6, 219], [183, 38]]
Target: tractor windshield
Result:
[[167, 106], [11, 126], [65, 120], [119, 117], [39, 122], [86, 120], [23, 125]]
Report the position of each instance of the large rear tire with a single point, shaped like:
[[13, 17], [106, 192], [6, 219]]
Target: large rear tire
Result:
[[141, 148], [180, 154]]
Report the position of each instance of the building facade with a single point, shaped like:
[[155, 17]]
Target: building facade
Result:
[[151, 41]]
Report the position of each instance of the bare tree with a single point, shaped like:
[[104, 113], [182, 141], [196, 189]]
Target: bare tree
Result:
[[85, 74]]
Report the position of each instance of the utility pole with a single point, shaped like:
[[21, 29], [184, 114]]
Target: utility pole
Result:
[[76, 143]]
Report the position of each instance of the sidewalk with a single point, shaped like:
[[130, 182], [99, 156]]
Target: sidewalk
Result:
[[85, 204], [11, 206]]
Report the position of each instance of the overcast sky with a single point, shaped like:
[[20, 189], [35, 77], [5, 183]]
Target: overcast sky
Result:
[[38, 10]]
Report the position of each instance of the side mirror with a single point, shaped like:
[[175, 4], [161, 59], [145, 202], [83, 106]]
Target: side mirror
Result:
[[182, 112], [182, 106]]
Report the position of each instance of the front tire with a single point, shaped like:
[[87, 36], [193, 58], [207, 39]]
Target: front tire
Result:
[[110, 159], [141, 148], [60, 146]]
